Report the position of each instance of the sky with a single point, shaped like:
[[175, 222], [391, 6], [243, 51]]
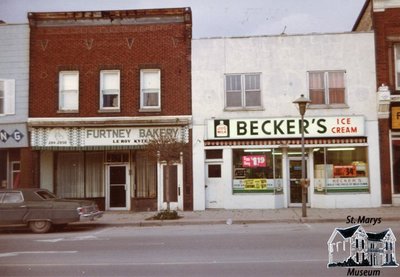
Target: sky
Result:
[[218, 18]]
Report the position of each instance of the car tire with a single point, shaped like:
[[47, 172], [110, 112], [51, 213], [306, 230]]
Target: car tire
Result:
[[40, 226]]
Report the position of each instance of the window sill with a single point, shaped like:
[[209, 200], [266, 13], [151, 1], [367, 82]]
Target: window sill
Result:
[[333, 106], [149, 110], [110, 111], [68, 111], [243, 109]]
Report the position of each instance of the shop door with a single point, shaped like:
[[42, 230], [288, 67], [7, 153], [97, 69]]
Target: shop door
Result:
[[172, 189], [118, 196], [295, 190], [214, 186]]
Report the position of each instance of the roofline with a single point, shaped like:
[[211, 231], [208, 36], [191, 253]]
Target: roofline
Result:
[[286, 35], [360, 15], [35, 18]]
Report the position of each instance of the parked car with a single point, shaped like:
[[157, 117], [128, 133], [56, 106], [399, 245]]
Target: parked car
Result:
[[40, 210]]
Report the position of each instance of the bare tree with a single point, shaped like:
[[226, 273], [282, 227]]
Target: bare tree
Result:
[[169, 150]]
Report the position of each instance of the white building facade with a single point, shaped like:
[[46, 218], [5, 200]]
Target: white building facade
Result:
[[247, 131]]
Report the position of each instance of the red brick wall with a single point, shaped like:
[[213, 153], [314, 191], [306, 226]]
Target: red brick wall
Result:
[[387, 33], [128, 48], [93, 48]]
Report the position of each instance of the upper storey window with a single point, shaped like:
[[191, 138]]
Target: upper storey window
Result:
[[150, 89], [7, 97], [109, 89], [69, 91], [397, 65], [242, 91], [327, 87]]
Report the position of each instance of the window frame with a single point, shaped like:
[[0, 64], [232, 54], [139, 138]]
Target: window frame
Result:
[[62, 91], [396, 49], [8, 98], [144, 107], [326, 89], [110, 91], [243, 91]]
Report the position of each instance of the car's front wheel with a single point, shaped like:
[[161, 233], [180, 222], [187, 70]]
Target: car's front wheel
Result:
[[40, 226]]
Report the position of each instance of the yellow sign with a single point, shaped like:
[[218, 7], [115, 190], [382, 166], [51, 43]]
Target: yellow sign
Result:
[[395, 117], [255, 183]]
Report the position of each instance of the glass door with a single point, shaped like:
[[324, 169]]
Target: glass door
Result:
[[171, 187], [118, 187], [295, 189]]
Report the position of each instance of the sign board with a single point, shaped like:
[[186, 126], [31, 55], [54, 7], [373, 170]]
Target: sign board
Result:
[[396, 117], [121, 136], [269, 128], [13, 135], [254, 161]]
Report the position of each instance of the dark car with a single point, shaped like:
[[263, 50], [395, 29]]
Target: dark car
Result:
[[40, 210]]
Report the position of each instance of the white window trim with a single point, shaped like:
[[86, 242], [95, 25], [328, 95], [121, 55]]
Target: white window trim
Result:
[[326, 90], [116, 91], [9, 97], [243, 92], [61, 74], [143, 107]]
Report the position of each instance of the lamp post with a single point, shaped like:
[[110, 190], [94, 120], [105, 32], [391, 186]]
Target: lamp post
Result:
[[302, 103]]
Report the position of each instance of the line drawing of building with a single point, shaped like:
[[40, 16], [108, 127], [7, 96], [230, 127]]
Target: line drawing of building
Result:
[[353, 247]]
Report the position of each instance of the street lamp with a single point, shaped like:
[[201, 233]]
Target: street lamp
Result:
[[302, 103]]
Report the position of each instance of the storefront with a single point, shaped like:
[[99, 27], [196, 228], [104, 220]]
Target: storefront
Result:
[[13, 138], [110, 165], [395, 152], [256, 163]]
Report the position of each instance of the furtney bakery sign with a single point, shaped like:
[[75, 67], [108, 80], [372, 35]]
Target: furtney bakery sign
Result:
[[341, 126], [81, 137]]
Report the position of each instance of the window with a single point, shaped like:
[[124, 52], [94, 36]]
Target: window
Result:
[[257, 171], [70, 175], [69, 91], [327, 87], [213, 163], [341, 169], [7, 97], [242, 90], [146, 176], [396, 164], [13, 197], [150, 89], [110, 89], [214, 171], [397, 65]]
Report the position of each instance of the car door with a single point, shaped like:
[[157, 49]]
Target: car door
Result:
[[12, 207]]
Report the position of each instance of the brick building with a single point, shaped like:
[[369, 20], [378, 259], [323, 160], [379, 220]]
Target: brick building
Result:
[[382, 16], [102, 85]]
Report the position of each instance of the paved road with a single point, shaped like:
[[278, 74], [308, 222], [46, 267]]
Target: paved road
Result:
[[205, 250]]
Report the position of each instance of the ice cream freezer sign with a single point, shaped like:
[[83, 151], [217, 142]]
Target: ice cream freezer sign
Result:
[[341, 126]]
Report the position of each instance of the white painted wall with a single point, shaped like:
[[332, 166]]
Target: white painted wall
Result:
[[14, 64], [283, 62]]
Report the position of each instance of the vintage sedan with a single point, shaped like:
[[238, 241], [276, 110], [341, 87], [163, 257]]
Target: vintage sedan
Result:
[[40, 210]]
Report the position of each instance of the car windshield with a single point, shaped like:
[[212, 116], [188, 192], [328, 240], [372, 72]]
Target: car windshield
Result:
[[45, 194]]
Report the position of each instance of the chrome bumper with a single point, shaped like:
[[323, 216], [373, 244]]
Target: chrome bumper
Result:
[[91, 216]]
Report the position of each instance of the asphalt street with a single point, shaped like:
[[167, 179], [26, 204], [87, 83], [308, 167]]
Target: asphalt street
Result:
[[276, 249]]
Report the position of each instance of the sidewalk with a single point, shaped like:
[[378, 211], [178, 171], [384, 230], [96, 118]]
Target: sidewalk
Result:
[[286, 215]]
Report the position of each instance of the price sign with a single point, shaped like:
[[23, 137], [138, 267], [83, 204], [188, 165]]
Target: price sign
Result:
[[254, 161]]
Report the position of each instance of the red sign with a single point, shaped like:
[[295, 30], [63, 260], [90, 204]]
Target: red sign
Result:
[[254, 161]]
